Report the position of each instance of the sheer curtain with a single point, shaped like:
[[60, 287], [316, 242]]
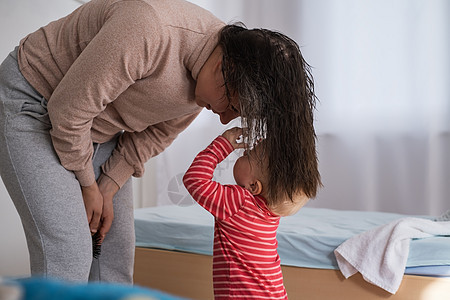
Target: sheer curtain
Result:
[[383, 121]]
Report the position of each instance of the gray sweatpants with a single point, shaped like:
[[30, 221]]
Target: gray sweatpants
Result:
[[48, 197]]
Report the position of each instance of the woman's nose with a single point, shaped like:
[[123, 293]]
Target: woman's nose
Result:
[[203, 104]]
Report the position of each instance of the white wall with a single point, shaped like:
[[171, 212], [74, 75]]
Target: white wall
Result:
[[18, 18]]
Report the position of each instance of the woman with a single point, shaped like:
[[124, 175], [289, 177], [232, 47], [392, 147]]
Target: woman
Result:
[[88, 99]]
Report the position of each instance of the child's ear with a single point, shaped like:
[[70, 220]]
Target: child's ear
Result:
[[256, 187]]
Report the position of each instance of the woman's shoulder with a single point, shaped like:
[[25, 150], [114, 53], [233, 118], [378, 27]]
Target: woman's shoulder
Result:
[[177, 13]]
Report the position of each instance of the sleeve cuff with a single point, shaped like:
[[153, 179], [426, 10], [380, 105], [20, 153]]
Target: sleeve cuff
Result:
[[118, 169], [224, 146], [86, 177]]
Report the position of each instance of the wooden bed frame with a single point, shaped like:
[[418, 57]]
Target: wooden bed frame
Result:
[[190, 275]]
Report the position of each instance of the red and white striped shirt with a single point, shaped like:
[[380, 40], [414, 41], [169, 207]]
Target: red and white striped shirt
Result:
[[246, 264]]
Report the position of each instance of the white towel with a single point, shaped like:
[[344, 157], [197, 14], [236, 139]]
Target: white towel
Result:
[[380, 254]]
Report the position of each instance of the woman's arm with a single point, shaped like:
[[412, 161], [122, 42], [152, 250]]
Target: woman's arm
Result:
[[136, 148], [116, 57]]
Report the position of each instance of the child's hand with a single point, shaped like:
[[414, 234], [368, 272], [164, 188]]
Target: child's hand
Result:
[[232, 135]]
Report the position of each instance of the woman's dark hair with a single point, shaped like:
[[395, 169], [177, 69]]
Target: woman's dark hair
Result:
[[275, 88]]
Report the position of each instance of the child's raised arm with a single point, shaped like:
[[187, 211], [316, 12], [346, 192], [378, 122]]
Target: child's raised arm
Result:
[[221, 200]]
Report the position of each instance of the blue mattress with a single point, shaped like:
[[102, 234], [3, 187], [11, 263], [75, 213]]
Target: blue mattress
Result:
[[306, 239]]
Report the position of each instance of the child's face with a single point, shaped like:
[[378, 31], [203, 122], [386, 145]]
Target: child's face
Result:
[[242, 171], [245, 171]]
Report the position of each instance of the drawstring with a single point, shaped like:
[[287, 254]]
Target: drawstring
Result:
[[44, 103], [96, 147]]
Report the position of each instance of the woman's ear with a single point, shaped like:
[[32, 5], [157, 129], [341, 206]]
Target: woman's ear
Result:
[[218, 60], [256, 187]]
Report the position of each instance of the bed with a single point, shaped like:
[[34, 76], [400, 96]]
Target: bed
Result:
[[174, 248]]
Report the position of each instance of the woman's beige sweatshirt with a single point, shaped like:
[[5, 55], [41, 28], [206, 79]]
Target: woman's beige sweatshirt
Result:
[[119, 65]]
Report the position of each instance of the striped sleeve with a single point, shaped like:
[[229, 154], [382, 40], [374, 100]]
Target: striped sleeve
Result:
[[222, 201]]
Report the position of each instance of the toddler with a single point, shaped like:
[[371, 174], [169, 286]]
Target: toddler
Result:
[[245, 258]]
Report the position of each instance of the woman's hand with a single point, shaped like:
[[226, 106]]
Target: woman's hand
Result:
[[108, 188], [233, 135], [93, 203]]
